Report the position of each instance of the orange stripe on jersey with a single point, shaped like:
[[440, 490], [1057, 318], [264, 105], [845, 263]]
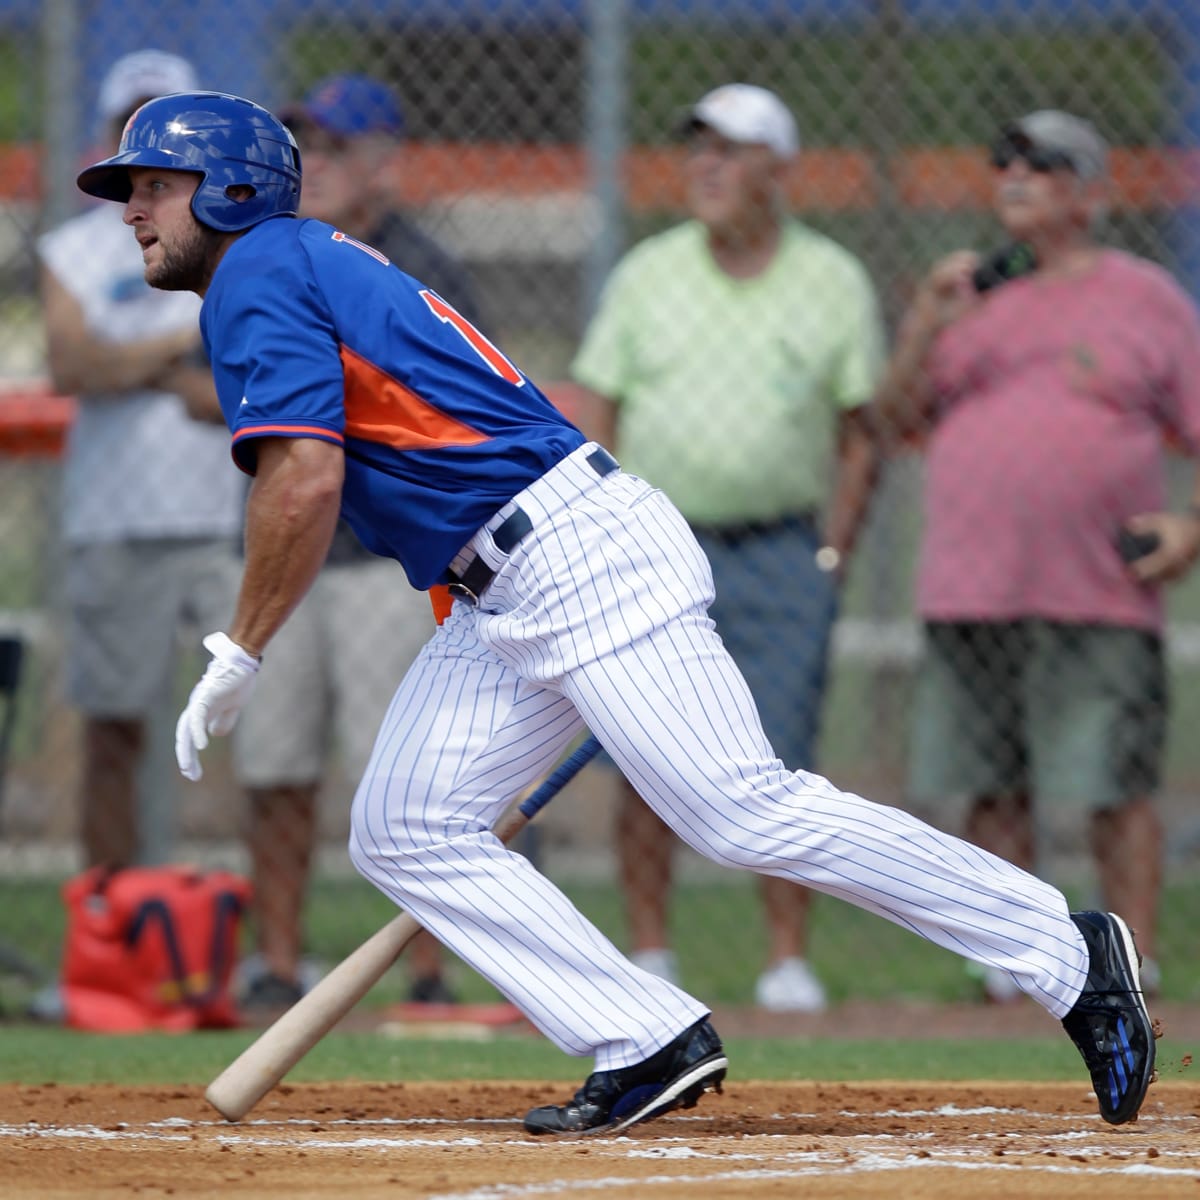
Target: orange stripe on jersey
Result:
[[320, 431], [381, 409]]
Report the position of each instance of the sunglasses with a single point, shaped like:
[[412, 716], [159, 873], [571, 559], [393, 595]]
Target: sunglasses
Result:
[[1036, 158]]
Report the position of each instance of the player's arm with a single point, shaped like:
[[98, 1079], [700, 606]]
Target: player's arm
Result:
[[291, 513], [80, 362]]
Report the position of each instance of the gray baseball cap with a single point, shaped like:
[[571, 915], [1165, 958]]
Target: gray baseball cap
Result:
[[1062, 133]]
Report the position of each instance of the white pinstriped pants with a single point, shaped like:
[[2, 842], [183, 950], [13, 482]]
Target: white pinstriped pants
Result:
[[599, 617]]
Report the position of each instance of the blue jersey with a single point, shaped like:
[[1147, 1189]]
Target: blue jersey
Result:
[[314, 334]]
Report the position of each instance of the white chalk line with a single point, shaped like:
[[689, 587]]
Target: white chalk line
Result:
[[662, 1148], [252, 1132], [675, 1119]]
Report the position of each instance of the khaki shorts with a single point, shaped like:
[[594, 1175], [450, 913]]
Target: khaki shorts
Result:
[[329, 675], [127, 603], [1073, 715]]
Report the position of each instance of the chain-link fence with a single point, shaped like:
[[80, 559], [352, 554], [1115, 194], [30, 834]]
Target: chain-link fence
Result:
[[537, 143]]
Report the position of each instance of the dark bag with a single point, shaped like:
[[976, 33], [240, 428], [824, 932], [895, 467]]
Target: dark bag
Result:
[[152, 948]]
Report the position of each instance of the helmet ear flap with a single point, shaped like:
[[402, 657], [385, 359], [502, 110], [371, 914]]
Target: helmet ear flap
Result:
[[235, 194]]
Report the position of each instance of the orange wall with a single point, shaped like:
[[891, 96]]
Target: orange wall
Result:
[[940, 178]]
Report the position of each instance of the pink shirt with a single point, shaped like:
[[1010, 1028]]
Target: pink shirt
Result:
[[1053, 400]]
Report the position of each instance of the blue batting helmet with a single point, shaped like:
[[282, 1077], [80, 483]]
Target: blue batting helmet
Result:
[[226, 140]]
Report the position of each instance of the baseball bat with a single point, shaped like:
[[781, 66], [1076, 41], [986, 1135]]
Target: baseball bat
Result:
[[280, 1047]]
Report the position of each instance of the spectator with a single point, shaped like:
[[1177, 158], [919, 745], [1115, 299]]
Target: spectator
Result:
[[1048, 400], [335, 663], [151, 500], [730, 364]]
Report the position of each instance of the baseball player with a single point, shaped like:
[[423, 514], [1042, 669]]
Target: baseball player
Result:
[[580, 597]]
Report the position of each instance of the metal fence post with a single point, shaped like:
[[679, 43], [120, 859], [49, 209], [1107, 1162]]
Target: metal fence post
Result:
[[606, 137]]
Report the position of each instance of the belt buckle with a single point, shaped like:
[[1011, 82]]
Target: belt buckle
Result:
[[462, 592]]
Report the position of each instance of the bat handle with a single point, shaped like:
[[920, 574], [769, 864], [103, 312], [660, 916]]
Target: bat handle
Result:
[[560, 776]]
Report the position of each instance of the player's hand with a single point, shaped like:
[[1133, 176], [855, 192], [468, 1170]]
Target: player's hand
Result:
[[215, 702]]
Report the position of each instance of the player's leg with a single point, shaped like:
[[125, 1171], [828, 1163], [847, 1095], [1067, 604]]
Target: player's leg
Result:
[[677, 717], [675, 714], [463, 737]]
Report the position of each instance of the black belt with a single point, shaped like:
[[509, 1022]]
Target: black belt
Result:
[[475, 577]]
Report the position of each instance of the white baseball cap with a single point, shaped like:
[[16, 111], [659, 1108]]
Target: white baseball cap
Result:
[[743, 112], [144, 75]]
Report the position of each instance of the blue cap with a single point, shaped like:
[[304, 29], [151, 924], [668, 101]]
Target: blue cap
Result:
[[348, 106]]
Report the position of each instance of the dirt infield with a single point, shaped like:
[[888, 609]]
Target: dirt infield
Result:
[[464, 1142]]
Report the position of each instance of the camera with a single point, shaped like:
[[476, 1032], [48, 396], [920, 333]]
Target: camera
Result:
[[1009, 262]]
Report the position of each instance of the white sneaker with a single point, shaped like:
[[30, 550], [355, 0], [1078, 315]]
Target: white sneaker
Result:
[[658, 962], [790, 986]]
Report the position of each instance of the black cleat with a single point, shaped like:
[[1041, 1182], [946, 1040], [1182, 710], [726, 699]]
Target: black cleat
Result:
[[1109, 1023], [610, 1101]]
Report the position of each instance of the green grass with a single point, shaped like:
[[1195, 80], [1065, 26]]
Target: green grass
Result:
[[719, 938], [35, 1056], [717, 930]]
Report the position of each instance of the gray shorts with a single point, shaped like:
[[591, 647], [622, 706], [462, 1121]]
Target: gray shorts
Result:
[[127, 603], [1073, 715], [329, 675]]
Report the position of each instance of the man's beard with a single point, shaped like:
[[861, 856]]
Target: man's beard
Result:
[[189, 265]]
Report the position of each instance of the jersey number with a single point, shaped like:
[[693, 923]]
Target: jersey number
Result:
[[473, 338]]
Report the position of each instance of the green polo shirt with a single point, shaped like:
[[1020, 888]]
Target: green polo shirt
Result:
[[729, 390]]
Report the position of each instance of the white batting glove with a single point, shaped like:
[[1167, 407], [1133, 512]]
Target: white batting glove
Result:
[[215, 702]]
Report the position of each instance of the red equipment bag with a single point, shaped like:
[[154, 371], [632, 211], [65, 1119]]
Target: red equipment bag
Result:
[[151, 948]]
